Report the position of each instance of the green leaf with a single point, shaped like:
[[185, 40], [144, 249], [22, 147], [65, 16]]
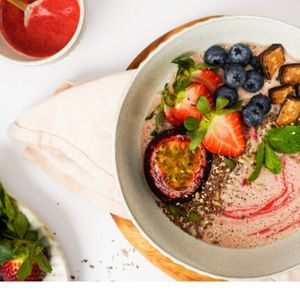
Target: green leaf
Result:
[[43, 263], [25, 269], [150, 116], [285, 139], [10, 209], [197, 139], [205, 66], [21, 225], [272, 161], [37, 248], [221, 103], [31, 236], [191, 123], [5, 253], [184, 61], [158, 119], [178, 210], [203, 105], [231, 110], [194, 217], [260, 154], [167, 96], [231, 164]]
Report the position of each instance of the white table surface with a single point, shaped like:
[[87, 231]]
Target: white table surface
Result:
[[116, 31]]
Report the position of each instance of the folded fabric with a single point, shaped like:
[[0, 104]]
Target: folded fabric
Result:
[[69, 136]]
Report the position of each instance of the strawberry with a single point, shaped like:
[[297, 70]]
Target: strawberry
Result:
[[225, 136], [220, 131], [10, 269], [208, 77], [23, 256], [189, 71], [184, 104]]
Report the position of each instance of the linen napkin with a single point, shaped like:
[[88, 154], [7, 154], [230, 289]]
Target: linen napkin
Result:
[[69, 136]]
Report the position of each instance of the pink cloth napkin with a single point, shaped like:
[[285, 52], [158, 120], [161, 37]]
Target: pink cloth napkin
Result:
[[69, 136]]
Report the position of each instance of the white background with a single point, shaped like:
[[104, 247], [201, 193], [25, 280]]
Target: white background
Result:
[[115, 32]]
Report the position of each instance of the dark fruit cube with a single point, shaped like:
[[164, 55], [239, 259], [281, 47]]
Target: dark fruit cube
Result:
[[239, 54], [235, 75], [173, 172], [215, 55], [262, 102], [255, 81], [227, 92], [252, 115]]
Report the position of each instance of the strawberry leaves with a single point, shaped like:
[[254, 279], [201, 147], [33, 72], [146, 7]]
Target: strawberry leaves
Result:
[[17, 240], [197, 129], [186, 67]]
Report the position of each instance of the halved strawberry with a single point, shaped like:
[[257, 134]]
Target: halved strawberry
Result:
[[208, 77], [10, 269], [185, 104], [225, 136]]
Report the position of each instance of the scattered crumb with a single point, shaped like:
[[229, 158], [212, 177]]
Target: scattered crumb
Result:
[[124, 252], [72, 277], [91, 266]]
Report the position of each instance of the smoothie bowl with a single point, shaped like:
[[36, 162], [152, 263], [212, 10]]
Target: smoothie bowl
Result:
[[45, 31], [210, 126]]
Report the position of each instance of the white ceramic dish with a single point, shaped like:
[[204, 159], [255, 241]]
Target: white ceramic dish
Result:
[[154, 225], [60, 270], [8, 53]]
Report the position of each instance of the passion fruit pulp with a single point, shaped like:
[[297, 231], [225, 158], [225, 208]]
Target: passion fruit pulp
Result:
[[173, 172]]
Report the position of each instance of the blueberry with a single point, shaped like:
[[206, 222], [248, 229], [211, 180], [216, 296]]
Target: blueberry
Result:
[[215, 55], [255, 63], [239, 54], [235, 75], [255, 81], [227, 92], [252, 115], [262, 102]]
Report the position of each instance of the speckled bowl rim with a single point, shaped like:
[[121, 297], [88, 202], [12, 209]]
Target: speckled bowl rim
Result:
[[121, 184], [60, 54]]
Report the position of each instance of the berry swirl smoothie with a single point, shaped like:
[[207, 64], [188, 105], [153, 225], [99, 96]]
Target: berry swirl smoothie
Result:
[[221, 145]]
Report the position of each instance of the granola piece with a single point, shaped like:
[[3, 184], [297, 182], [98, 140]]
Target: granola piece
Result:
[[290, 111], [278, 94], [272, 59], [289, 74]]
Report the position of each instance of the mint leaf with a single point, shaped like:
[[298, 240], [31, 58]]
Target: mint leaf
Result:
[[25, 269], [197, 138], [260, 154], [285, 139], [272, 161], [43, 263], [203, 105], [205, 66], [221, 103], [21, 225], [191, 123], [5, 253]]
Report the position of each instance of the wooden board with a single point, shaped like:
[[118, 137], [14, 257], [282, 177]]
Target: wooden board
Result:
[[130, 232]]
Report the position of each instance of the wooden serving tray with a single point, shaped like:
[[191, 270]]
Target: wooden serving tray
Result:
[[128, 229]]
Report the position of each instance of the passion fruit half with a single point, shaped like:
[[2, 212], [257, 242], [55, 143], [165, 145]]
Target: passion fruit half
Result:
[[173, 172]]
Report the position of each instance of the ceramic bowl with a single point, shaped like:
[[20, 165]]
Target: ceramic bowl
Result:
[[8, 53], [146, 215]]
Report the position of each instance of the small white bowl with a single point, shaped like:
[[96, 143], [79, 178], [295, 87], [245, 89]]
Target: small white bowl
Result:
[[8, 53]]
